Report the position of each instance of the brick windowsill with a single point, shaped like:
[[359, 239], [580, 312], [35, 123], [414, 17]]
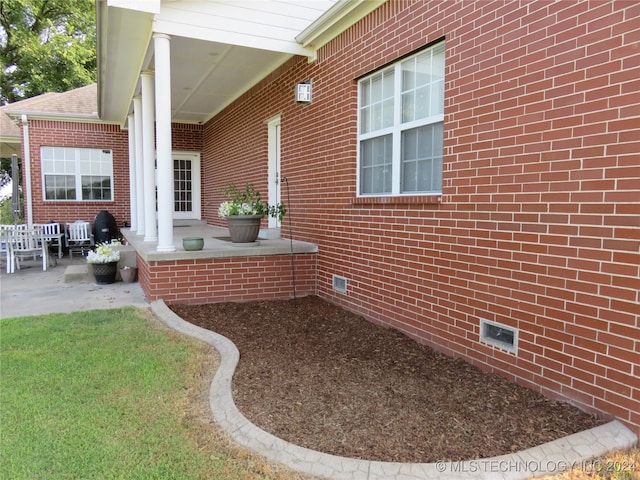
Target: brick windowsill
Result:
[[403, 200]]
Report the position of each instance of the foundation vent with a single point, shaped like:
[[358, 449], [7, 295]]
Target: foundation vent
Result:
[[499, 335], [339, 284]]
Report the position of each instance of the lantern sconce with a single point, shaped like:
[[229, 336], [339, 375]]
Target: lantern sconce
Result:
[[303, 92]]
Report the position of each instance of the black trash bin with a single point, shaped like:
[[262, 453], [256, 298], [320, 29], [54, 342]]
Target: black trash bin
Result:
[[105, 227]]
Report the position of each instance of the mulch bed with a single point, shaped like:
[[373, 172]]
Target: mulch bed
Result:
[[320, 377]]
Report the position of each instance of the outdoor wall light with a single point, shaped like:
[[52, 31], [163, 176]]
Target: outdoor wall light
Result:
[[303, 92]]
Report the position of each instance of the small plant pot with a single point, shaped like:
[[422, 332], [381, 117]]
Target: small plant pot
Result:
[[129, 274], [192, 243]]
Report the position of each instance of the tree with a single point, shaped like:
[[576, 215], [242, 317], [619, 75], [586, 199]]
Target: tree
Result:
[[45, 46]]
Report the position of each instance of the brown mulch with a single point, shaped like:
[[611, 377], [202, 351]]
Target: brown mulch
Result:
[[320, 377]]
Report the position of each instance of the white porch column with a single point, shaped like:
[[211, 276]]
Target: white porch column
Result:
[[137, 113], [26, 164], [133, 208], [148, 151], [162, 50]]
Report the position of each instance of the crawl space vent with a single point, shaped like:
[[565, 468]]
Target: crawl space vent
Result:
[[499, 335], [339, 284]]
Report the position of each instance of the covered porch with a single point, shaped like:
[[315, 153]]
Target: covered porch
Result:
[[270, 268], [164, 63]]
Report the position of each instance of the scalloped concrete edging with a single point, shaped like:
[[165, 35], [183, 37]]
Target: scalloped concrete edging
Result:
[[552, 457]]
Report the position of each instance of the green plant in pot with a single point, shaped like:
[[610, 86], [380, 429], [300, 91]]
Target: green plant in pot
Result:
[[104, 260], [244, 211]]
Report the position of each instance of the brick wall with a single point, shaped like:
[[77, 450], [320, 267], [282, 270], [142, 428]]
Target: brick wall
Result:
[[538, 225], [185, 137], [79, 135], [228, 279]]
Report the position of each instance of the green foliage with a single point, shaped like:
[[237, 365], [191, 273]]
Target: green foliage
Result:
[[6, 212], [248, 202], [5, 164], [99, 394], [45, 46], [6, 205]]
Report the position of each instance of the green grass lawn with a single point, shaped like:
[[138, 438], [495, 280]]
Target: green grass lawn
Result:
[[110, 394], [100, 394]]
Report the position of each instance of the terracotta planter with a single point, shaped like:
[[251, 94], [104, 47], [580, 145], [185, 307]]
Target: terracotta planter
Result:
[[244, 228], [105, 273], [128, 274]]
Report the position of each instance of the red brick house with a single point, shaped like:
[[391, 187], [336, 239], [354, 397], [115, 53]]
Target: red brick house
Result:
[[468, 172]]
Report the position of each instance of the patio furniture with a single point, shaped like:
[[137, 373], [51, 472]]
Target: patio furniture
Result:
[[53, 234], [5, 239], [79, 237], [24, 243]]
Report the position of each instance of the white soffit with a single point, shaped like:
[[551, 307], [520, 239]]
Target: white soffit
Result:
[[267, 25], [219, 48], [148, 6], [342, 15], [208, 76], [123, 39]]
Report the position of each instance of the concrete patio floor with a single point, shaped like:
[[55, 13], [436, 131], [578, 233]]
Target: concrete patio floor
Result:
[[217, 244], [31, 291]]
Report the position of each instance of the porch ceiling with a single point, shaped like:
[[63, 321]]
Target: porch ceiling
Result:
[[207, 76], [219, 49]]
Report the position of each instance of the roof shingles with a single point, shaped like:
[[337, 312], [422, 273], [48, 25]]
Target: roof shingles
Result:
[[81, 101]]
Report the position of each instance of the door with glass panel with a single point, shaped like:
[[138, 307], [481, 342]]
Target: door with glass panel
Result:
[[273, 127], [186, 186]]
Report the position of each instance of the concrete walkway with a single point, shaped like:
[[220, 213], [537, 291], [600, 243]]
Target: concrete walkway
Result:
[[30, 291], [552, 457]]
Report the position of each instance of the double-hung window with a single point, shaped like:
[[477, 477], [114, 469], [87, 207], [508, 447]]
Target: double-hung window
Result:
[[400, 126], [82, 174]]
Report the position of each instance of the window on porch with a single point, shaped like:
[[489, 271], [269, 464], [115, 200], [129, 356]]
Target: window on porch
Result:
[[80, 174]]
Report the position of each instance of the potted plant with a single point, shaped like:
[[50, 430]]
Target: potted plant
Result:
[[104, 260], [128, 274], [244, 211]]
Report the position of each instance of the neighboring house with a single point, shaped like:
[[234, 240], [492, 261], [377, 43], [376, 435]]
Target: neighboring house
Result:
[[59, 133], [79, 164], [469, 171]]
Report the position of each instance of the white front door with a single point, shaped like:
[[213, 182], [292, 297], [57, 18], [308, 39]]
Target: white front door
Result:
[[274, 167], [186, 186]]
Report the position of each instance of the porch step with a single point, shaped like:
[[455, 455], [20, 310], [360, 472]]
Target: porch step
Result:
[[76, 273]]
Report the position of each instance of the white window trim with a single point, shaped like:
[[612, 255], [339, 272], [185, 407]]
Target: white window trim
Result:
[[77, 174], [396, 132], [196, 186], [274, 141]]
